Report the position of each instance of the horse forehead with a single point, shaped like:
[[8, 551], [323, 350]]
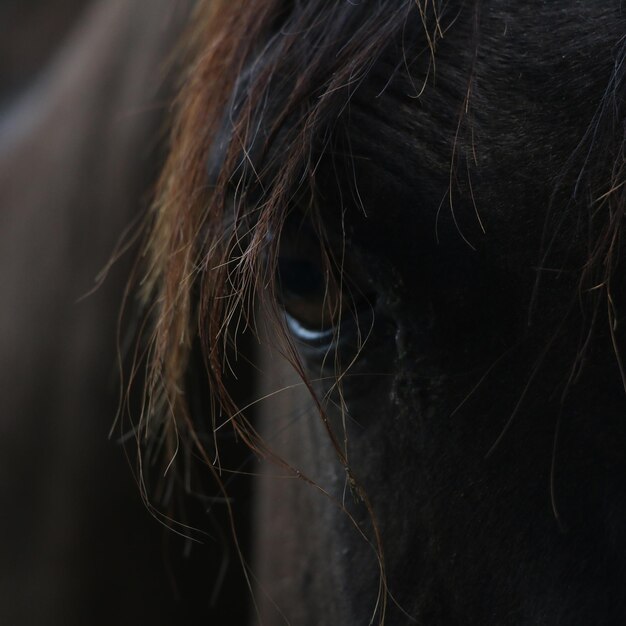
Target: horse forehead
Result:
[[537, 69], [502, 106], [509, 87]]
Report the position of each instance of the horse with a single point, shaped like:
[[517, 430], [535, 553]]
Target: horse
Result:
[[380, 277], [407, 215]]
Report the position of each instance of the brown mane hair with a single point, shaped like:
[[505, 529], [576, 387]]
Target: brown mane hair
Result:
[[210, 253]]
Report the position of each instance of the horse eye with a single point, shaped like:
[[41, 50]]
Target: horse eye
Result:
[[317, 293], [307, 290]]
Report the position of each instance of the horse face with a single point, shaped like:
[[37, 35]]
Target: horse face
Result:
[[436, 191], [461, 211]]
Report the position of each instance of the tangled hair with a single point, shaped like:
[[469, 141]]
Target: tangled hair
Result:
[[240, 160], [262, 106]]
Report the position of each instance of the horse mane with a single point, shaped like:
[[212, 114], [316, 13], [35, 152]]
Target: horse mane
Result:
[[210, 251], [238, 161]]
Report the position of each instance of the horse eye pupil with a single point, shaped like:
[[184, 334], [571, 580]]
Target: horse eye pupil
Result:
[[299, 277]]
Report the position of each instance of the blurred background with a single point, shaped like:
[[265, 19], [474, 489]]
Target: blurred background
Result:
[[85, 88], [30, 32]]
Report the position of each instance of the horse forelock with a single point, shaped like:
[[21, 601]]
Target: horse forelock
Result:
[[263, 87]]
